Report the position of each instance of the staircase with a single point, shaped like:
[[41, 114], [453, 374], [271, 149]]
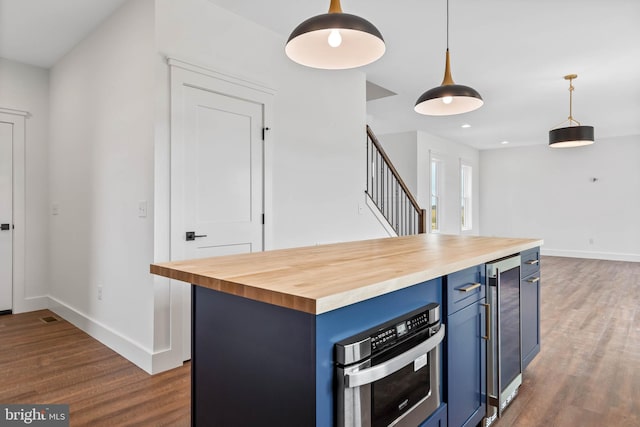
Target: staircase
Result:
[[390, 194]]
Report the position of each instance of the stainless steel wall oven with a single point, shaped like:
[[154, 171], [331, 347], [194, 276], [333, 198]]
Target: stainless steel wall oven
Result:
[[390, 375]]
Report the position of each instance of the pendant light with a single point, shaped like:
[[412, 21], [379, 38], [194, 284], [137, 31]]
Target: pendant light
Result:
[[335, 41], [448, 98], [574, 135]]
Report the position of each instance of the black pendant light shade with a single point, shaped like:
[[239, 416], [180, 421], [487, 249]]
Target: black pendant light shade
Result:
[[571, 136], [463, 99], [335, 41], [574, 135], [448, 98]]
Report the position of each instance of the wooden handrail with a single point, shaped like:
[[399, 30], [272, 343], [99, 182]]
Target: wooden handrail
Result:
[[422, 224]]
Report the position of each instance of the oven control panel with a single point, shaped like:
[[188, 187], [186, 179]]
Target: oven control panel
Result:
[[375, 340], [391, 334]]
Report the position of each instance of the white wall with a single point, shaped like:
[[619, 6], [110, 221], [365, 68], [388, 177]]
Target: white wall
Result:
[[402, 149], [451, 154], [545, 193], [108, 150], [315, 151], [101, 166], [26, 88], [411, 154], [318, 138]]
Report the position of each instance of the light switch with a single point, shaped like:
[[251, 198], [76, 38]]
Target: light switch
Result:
[[142, 208], [55, 209]]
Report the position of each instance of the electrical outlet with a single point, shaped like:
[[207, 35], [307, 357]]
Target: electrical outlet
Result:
[[99, 293], [55, 209]]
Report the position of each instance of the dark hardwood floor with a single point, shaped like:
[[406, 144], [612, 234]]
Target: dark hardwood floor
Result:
[[587, 373], [50, 363]]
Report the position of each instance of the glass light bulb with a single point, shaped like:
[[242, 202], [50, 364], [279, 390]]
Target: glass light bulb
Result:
[[447, 99], [335, 39]]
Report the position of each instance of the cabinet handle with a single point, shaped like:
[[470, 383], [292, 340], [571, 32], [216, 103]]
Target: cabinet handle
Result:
[[533, 261], [533, 280], [487, 321], [470, 287]]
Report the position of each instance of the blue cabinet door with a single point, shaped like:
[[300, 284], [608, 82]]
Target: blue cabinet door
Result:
[[466, 366], [530, 304], [438, 418], [530, 312]]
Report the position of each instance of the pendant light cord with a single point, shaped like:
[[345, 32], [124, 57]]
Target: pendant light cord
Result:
[[570, 118], [570, 99], [447, 25], [447, 80]]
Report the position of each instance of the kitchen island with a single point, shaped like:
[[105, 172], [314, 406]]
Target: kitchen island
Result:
[[265, 323]]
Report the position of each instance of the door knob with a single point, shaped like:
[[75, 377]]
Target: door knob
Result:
[[191, 235], [4, 227]]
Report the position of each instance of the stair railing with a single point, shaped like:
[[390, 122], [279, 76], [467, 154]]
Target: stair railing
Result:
[[390, 194]]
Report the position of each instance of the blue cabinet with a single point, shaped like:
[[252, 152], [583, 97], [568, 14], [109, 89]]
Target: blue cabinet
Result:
[[278, 361], [438, 418], [530, 305], [465, 369], [465, 287]]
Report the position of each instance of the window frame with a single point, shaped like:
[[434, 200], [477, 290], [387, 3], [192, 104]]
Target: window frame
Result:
[[466, 196], [436, 176]]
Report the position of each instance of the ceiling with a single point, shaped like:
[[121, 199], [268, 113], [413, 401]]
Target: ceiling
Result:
[[39, 32], [514, 52]]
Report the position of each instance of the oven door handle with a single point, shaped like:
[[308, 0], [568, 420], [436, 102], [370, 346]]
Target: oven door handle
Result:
[[375, 373]]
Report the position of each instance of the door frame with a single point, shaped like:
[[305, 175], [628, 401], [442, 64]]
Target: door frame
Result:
[[184, 75], [17, 118]]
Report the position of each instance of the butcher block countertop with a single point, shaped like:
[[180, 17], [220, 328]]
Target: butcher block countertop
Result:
[[317, 279]]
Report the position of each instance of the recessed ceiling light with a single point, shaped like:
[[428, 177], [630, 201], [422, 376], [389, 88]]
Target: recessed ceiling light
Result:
[[466, 125], [504, 142]]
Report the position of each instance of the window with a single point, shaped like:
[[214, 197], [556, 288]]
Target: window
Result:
[[436, 190], [466, 191]]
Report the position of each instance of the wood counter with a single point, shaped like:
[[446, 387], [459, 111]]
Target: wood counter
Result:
[[318, 279]]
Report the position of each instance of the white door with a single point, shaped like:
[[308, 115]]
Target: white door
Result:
[[223, 174], [217, 181], [6, 216]]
